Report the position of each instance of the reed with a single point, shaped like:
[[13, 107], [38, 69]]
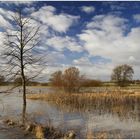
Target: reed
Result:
[[85, 100], [122, 103]]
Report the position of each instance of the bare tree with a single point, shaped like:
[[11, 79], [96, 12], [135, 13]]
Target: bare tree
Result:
[[122, 74], [57, 79], [20, 43], [70, 80], [2, 79]]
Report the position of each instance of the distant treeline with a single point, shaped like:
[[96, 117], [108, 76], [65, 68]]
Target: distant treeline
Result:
[[18, 82], [85, 83], [31, 83], [71, 79], [91, 83]]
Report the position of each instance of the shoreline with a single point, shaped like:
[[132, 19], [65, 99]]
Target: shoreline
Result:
[[15, 130]]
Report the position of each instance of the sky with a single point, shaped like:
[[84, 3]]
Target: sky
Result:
[[93, 36]]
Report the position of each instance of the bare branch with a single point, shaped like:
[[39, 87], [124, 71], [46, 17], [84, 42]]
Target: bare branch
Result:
[[31, 38], [18, 54]]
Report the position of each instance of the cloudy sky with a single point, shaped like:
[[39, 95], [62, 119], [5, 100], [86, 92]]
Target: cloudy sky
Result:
[[94, 36]]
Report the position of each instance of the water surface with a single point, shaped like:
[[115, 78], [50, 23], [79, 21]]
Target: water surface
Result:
[[122, 122]]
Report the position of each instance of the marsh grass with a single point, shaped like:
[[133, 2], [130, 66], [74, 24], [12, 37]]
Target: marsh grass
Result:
[[123, 103], [120, 103], [82, 99]]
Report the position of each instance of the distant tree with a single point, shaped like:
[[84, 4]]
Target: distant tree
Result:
[[136, 81], [72, 80], [44, 84], [56, 79], [122, 75], [2, 79], [32, 83], [18, 81]]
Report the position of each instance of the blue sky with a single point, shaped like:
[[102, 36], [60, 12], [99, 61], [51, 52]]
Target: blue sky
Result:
[[94, 36]]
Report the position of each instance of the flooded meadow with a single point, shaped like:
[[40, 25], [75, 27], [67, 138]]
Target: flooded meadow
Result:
[[95, 120]]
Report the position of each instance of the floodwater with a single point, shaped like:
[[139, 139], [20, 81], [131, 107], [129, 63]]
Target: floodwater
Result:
[[104, 122]]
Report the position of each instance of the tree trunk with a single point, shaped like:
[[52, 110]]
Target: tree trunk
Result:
[[24, 99], [22, 71]]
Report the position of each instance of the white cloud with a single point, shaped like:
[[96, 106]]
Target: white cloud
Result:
[[53, 57], [58, 22], [5, 18], [6, 13], [4, 22], [93, 70], [61, 43], [136, 17], [106, 36], [88, 9], [83, 61], [101, 72]]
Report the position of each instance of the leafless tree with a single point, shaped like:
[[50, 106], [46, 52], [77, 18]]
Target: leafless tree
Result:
[[20, 43], [70, 80], [122, 75], [2, 79], [57, 79]]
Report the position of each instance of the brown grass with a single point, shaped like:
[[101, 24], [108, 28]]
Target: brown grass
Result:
[[84, 101], [120, 103], [79, 98], [39, 132]]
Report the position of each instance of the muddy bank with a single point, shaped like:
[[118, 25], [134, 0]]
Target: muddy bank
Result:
[[16, 130], [13, 132]]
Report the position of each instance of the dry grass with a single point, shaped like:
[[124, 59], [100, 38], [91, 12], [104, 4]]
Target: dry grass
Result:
[[86, 97], [118, 103], [85, 100], [39, 132], [38, 96]]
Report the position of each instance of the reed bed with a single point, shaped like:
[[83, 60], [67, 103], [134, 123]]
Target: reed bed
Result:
[[121, 103], [82, 100]]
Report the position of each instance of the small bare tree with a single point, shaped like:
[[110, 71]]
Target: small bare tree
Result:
[[20, 43]]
